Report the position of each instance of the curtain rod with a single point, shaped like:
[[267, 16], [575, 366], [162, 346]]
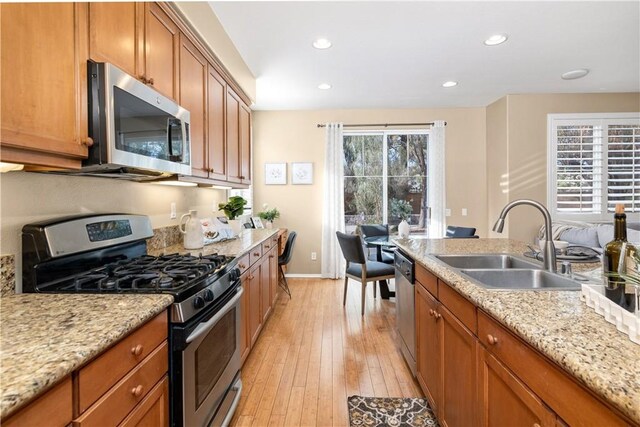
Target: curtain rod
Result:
[[386, 125]]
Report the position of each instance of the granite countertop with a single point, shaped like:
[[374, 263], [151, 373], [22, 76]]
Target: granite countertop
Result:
[[557, 323], [246, 240], [46, 337]]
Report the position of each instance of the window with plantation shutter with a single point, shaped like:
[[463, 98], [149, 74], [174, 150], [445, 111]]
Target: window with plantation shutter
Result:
[[594, 164]]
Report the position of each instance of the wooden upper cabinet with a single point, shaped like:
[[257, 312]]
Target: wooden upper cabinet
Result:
[[115, 32], [233, 137], [504, 400], [161, 45], [216, 94], [44, 83], [245, 143], [193, 97]]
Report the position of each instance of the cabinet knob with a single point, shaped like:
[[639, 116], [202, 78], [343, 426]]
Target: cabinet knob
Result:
[[270, 256], [137, 350], [438, 316], [251, 277], [241, 177], [492, 340], [432, 312], [150, 81], [256, 254], [242, 266], [267, 246], [143, 79], [87, 142], [137, 391], [536, 425]]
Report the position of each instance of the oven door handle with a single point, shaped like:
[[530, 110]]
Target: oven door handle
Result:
[[204, 327]]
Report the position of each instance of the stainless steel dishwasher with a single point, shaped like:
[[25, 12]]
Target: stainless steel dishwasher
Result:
[[405, 307]]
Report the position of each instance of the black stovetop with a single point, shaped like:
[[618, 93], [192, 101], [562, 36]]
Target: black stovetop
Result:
[[174, 274]]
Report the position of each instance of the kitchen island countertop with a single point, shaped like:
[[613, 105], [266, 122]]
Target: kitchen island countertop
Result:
[[557, 323], [45, 337]]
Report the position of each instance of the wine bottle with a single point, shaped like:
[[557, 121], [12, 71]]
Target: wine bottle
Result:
[[614, 262]]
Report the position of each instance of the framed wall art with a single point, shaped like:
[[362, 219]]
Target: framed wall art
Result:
[[275, 173], [302, 173]]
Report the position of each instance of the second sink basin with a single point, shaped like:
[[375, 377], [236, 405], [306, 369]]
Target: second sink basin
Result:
[[487, 261], [513, 279]]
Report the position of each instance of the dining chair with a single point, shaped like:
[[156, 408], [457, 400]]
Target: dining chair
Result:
[[454, 232], [359, 268], [284, 259]]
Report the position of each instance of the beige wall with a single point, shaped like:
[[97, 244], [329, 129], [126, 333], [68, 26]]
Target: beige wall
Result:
[[205, 22], [526, 123], [27, 197], [292, 136], [497, 163]]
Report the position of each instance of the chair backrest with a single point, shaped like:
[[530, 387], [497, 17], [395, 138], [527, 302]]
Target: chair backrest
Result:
[[460, 232], [371, 230], [288, 249], [351, 245]]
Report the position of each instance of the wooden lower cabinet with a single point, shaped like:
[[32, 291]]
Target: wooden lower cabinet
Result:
[[429, 355], [153, 411], [458, 344], [255, 313], [265, 288], [54, 408], [245, 337], [504, 400], [273, 275]]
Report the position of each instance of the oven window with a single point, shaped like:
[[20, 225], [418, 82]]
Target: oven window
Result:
[[214, 353], [144, 129]]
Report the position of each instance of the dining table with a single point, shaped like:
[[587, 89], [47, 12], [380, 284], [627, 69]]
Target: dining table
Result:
[[382, 244]]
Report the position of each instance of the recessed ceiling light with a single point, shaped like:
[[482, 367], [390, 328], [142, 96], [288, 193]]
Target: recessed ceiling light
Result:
[[324, 86], [496, 39], [322, 44], [575, 74], [449, 84]]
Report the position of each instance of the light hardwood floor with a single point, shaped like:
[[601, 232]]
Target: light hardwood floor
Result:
[[313, 353]]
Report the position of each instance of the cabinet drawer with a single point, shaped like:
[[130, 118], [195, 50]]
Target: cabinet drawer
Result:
[[255, 254], [461, 307], [53, 409], [243, 263], [266, 246], [427, 279], [544, 378], [153, 410], [116, 404], [106, 370]]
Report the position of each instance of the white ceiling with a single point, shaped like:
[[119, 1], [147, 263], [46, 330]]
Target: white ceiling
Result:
[[398, 54]]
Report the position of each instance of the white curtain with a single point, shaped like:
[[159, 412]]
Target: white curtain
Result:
[[332, 262], [436, 184]]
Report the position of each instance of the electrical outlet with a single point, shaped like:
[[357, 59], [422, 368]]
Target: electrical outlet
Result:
[[173, 214], [464, 211], [314, 256], [447, 212]]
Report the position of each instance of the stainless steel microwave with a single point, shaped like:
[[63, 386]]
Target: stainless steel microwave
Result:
[[137, 133]]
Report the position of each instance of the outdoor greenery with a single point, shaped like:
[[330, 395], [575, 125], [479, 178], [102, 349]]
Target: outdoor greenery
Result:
[[405, 175], [234, 207]]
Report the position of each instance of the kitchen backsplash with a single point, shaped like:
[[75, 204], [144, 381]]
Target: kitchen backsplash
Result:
[[7, 275]]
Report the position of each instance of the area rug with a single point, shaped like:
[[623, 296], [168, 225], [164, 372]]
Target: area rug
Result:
[[390, 411]]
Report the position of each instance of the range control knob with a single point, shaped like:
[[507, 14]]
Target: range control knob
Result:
[[198, 302], [234, 274], [208, 295]]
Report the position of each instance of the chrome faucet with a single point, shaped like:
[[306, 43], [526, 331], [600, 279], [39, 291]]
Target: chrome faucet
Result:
[[549, 251]]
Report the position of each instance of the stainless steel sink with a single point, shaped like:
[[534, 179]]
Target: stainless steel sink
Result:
[[521, 279], [487, 261]]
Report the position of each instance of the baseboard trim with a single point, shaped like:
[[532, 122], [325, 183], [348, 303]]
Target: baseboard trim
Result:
[[294, 275]]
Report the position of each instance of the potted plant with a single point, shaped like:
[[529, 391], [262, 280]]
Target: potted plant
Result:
[[232, 210], [269, 215]]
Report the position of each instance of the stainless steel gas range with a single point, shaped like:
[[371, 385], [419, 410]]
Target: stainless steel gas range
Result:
[[107, 253]]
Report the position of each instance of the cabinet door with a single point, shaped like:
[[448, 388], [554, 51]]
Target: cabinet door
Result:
[[44, 83], [428, 346], [216, 94], [504, 400], [245, 334], [233, 137], [255, 314], [265, 287], [153, 411], [115, 32], [193, 97], [161, 44], [245, 143], [459, 403]]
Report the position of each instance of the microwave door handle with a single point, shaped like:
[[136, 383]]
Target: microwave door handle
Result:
[[170, 124], [185, 141], [203, 328]]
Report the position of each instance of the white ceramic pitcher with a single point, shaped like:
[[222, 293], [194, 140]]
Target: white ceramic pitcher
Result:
[[192, 230]]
